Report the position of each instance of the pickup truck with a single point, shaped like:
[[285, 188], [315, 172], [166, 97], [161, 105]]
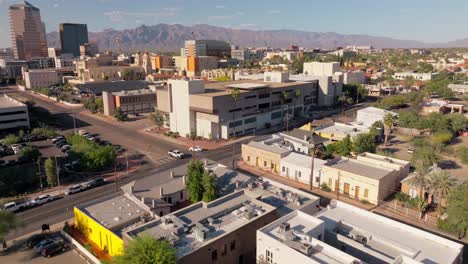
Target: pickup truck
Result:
[[14, 206]]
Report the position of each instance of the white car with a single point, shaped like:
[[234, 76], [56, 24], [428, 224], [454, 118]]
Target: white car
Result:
[[90, 138], [176, 154], [56, 139], [82, 132], [196, 149], [41, 200], [14, 206], [73, 189]]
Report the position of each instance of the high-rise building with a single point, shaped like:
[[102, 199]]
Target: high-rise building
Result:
[[27, 31], [195, 48], [72, 36]]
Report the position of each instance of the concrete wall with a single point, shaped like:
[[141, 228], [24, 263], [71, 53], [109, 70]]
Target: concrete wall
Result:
[[261, 159], [297, 173]]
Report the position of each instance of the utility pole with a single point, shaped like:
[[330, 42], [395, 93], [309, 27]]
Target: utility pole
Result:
[[116, 177], [74, 124], [312, 169], [338, 189], [126, 158], [57, 171], [39, 172]]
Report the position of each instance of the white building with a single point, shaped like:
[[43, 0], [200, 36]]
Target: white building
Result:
[[13, 114], [40, 78], [369, 115], [321, 68], [353, 77], [298, 167], [459, 88], [343, 233], [288, 55], [418, 76]]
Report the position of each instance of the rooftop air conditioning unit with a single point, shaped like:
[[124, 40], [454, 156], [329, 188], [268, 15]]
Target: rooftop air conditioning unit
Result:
[[284, 227], [306, 249]]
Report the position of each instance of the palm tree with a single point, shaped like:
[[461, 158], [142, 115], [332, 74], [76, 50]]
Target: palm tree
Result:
[[419, 179], [344, 99], [409, 80], [440, 183], [297, 94], [422, 206], [388, 122]]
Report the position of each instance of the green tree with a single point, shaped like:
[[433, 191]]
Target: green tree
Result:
[[99, 102], [389, 120], [51, 171], [158, 118], [11, 139], [223, 79], [235, 96], [210, 186], [297, 94], [7, 223], [147, 250], [457, 122], [344, 99], [419, 179], [120, 115], [457, 211], [442, 139], [30, 154], [440, 183], [195, 172], [284, 98], [46, 132], [364, 142], [341, 148]]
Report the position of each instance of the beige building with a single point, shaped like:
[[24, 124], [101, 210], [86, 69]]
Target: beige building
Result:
[[130, 102], [210, 111], [264, 155], [103, 68], [217, 73], [40, 78], [195, 65], [13, 114], [368, 177], [27, 31]]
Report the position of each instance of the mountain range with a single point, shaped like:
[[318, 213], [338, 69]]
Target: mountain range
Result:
[[165, 37]]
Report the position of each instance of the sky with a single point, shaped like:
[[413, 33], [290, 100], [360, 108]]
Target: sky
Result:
[[423, 20]]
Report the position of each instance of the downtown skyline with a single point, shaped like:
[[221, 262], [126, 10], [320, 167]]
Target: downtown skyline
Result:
[[396, 19]]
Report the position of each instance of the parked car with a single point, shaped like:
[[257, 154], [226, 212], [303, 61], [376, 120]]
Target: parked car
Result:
[[90, 138], [73, 189], [45, 243], [61, 144], [94, 183], [35, 239], [54, 248], [14, 206], [41, 200], [82, 132], [58, 138], [65, 148], [176, 154], [196, 149], [410, 150]]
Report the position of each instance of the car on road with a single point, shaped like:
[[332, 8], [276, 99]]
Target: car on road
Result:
[[73, 189], [196, 149], [41, 200], [410, 150], [14, 206], [175, 154], [54, 248], [94, 183]]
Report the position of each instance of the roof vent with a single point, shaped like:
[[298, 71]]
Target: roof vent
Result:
[[284, 227], [117, 219]]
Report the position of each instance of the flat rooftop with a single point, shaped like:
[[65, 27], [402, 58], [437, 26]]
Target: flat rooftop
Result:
[[199, 224], [6, 101], [134, 92], [386, 239], [302, 230], [114, 211], [303, 161], [339, 128], [359, 168], [302, 134], [274, 147]]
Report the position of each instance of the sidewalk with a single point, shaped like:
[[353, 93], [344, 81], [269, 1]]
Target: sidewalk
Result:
[[302, 186]]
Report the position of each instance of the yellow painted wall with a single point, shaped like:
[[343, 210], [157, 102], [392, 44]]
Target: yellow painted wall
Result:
[[260, 158], [100, 235]]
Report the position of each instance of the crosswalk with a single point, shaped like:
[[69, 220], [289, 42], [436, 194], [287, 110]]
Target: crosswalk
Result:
[[163, 161]]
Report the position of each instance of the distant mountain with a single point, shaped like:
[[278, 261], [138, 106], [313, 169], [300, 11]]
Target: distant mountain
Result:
[[171, 37]]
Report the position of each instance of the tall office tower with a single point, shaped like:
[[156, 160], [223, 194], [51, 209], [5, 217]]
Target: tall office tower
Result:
[[207, 47], [72, 36], [27, 31]]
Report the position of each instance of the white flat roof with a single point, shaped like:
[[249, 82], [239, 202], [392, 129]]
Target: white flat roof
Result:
[[303, 161], [6, 101], [388, 239]]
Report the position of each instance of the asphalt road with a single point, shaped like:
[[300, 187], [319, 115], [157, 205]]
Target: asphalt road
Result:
[[156, 149]]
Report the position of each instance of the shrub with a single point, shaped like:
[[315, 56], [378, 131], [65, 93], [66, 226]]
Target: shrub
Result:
[[442, 138], [324, 187], [402, 197], [46, 132]]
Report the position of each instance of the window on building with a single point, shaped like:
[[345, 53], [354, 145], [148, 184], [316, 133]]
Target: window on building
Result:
[[330, 182], [250, 120], [366, 193], [283, 169], [275, 103], [317, 179], [251, 96], [235, 110], [248, 158], [263, 106], [214, 255], [224, 250], [269, 256], [235, 124], [265, 164], [272, 165], [232, 246], [181, 195], [262, 96], [276, 115]]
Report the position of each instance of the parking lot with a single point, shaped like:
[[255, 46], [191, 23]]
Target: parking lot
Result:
[[20, 253]]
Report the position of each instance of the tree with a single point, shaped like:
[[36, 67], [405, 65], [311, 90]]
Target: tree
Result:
[[147, 250], [284, 98], [442, 139], [158, 118], [344, 99], [410, 81], [30, 154], [389, 120], [7, 223], [210, 186], [11, 139], [297, 94], [440, 183], [195, 172], [364, 142], [51, 171], [120, 115], [341, 148], [235, 96], [419, 179], [457, 211]]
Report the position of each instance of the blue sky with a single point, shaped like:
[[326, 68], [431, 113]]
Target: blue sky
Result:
[[424, 20]]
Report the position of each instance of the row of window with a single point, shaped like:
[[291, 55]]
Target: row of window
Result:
[[13, 113], [232, 247], [13, 121]]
